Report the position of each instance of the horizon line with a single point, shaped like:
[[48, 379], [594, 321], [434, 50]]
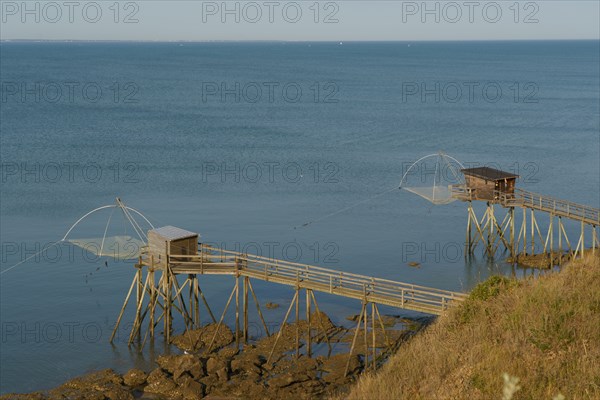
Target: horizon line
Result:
[[298, 41]]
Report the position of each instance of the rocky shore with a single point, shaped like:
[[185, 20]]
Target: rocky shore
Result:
[[232, 372]]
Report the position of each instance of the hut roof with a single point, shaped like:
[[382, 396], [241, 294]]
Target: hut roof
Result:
[[173, 233], [487, 173]]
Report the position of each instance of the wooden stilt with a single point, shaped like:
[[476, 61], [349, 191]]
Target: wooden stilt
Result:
[[237, 311], [297, 323], [365, 336], [212, 341], [308, 333], [133, 282], [468, 246], [512, 232], [258, 308], [524, 231], [374, 343], [594, 239], [532, 232], [360, 317], [287, 314], [387, 340], [321, 323], [138, 294], [246, 279], [582, 239], [138, 321], [212, 316]]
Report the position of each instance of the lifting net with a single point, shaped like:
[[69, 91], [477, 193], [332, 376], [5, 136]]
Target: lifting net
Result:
[[433, 177], [121, 241], [118, 247]]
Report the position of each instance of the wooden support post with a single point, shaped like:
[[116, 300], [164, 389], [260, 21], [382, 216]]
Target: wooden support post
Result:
[[287, 314], [191, 299], [308, 333], [187, 319], [258, 309], [297, 322], [212, 316], [138, 321], [468, 246], [360, 317], [246, 279], [168, 304], [138, 294], [366, 342], [221, 320], [491, 229], [512, 232], [197, 323], [532, 232], [237, 311], [524, 231], [387, 340], [582, 239], [153, 299], [551, 232], [374, 343], [133, 282], [560, 241], [321, 323]]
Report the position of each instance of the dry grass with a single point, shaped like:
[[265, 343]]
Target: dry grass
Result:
[[545, 332]]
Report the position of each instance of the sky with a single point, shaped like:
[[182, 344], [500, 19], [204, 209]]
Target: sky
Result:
[[300, 20]]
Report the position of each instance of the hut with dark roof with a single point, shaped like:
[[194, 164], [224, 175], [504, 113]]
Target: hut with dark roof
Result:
[[485, 183]]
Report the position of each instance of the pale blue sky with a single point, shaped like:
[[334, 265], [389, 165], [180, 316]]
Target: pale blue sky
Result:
[[300, 20]]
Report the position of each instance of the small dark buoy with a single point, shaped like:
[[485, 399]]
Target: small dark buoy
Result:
[[106, 264]]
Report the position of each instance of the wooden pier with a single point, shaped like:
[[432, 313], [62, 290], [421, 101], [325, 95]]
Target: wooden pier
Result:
[[498, 187], [156, 299]]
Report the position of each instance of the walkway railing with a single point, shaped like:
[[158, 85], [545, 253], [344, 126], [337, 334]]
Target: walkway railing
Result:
[[212, 260], [563, 208], [525, 199]]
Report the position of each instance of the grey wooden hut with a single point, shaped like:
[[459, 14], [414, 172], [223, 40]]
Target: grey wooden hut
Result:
[[173, 241]]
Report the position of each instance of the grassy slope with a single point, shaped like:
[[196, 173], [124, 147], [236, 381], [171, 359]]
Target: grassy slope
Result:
[[544, 331]]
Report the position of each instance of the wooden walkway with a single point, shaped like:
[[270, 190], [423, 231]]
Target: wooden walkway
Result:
[[562, 208], [534, 201], [211, 260]]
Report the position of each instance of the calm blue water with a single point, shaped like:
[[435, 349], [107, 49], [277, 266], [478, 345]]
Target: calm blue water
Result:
[[147, 122]]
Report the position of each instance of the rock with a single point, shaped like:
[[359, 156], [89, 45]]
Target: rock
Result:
[[194, 340], [167, 362], [160, 383], [228, 352], [191, 389], [287, 379], [272, 306], [97, 385], [177, 365], [223, 375], [215, 364], [29, 396], [190, 364], [135, 377], [414, 264], [321, 321]]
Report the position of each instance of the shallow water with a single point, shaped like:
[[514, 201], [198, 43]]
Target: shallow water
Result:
[[245, 173]]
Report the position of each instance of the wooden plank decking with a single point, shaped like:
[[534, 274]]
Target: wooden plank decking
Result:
[[210, 260], [539, 202], [562, 208]]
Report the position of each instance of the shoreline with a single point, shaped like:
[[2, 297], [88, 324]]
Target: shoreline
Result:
[[243, 372]]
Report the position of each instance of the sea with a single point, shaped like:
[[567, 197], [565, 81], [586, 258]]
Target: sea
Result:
[[292, 150]]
